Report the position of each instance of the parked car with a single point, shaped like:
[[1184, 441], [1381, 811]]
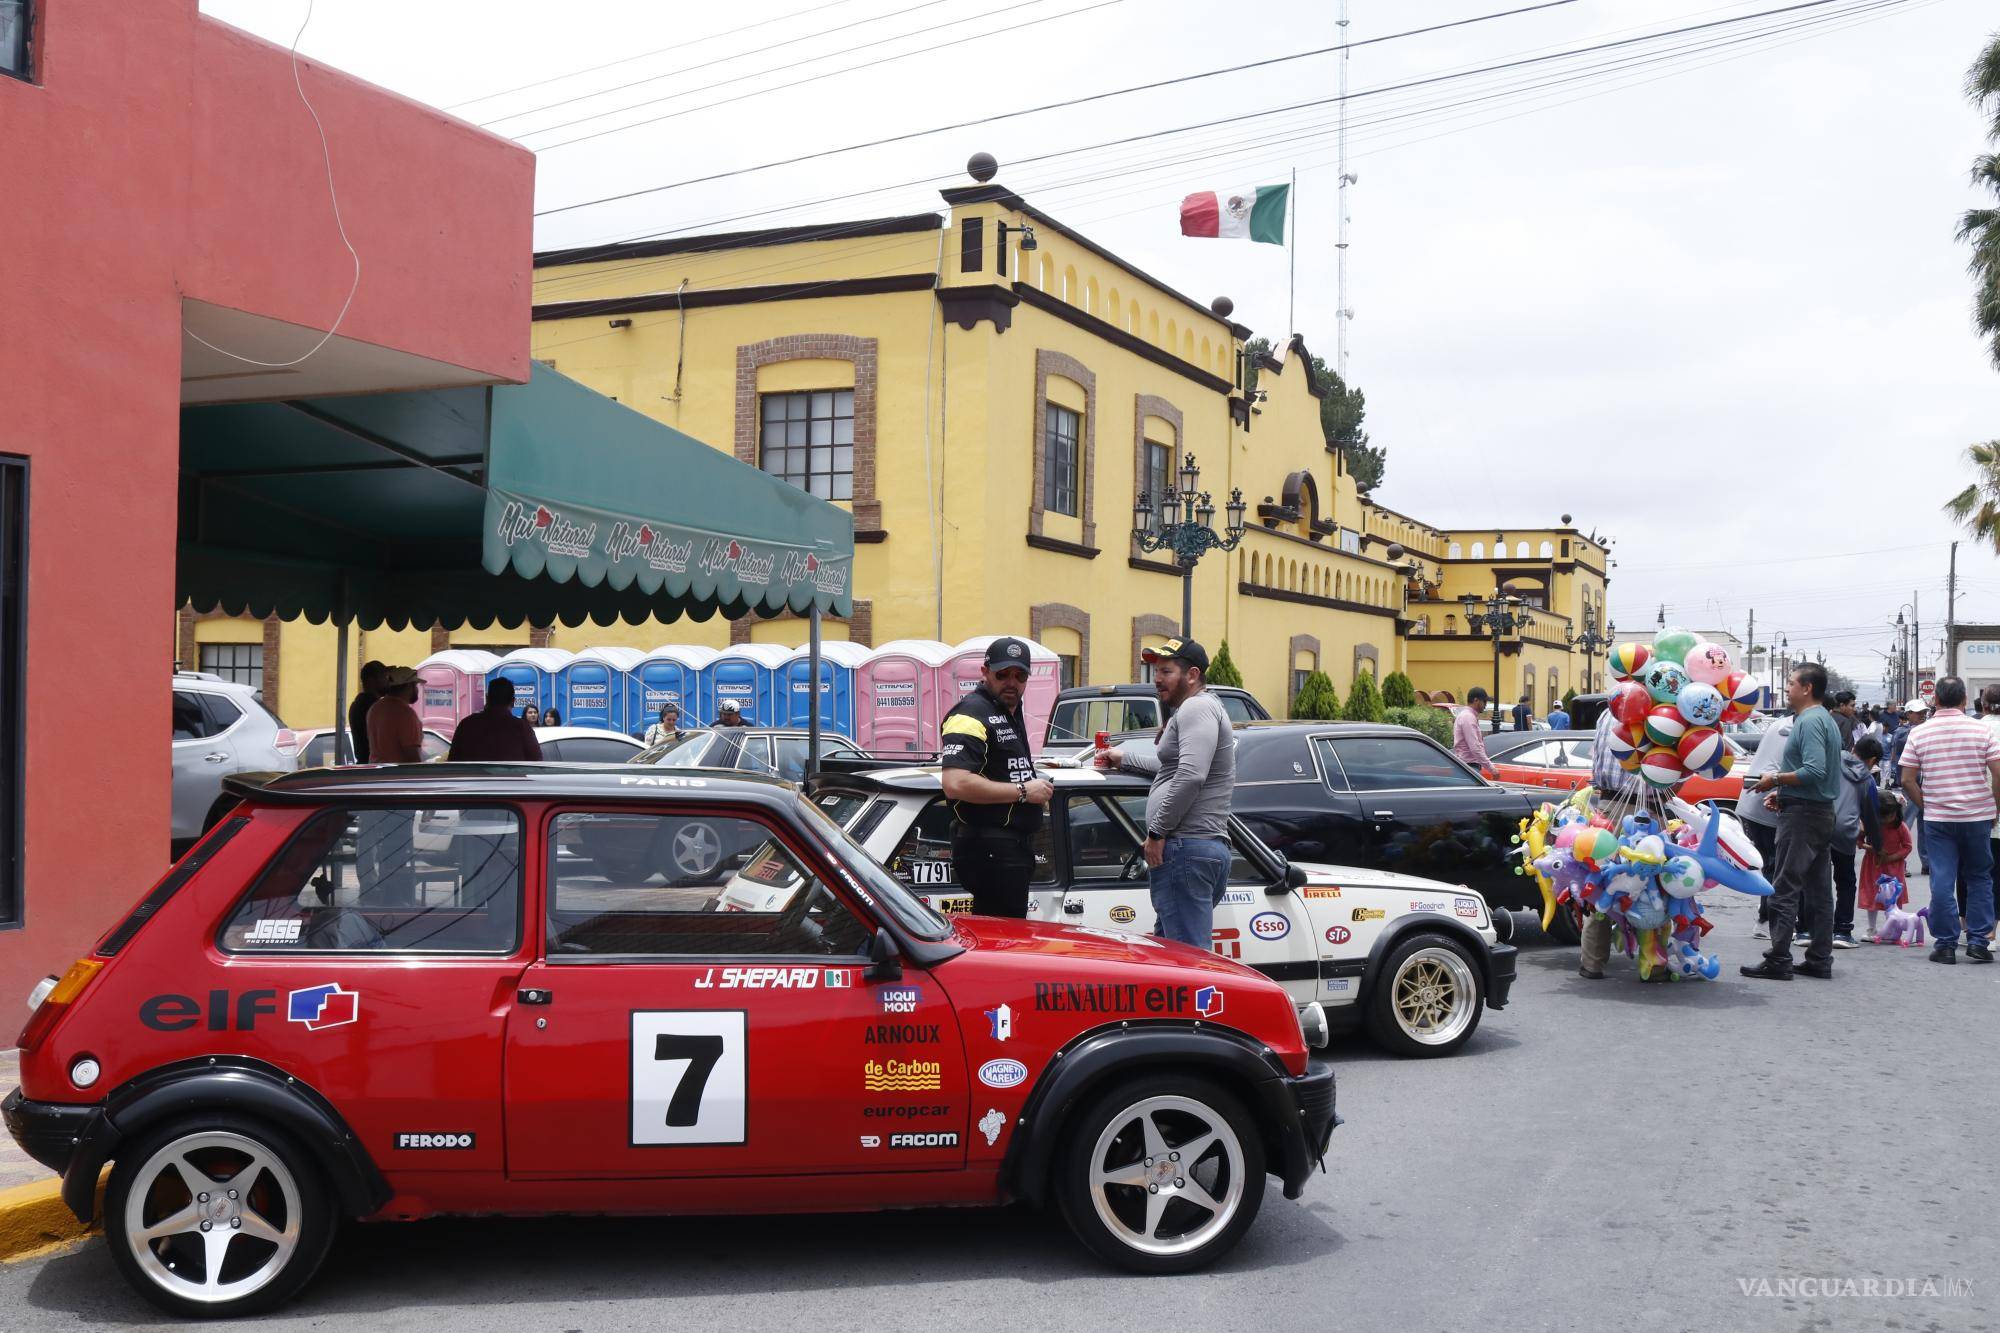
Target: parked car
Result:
[[773, 750], [1413, 961], [220, 728], [313, 746], [1084, 710], [1561, 759], [277, 1038], [585, 745]]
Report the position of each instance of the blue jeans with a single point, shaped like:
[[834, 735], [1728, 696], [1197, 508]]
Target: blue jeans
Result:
[[1952, 849], [1187, 884]]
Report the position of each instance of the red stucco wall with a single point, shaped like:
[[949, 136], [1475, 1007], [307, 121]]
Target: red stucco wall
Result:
[[158, 153]]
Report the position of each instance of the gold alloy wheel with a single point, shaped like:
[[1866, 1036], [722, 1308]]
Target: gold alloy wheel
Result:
[[1434, 996]]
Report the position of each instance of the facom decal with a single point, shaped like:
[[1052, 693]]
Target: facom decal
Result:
[[1321, 891], [1000, 1022], [1208, 1001], [901, 999], [326, 1006], [871, 1140], [1338, 934], [759, 978], [902, 1076], [947, 1139], [1367, 914], [900, 1034], [990, 1125], [434, 1141], [1123, 915], [1466, 907], [1003, 1073], [1270, 925], [274, 930]]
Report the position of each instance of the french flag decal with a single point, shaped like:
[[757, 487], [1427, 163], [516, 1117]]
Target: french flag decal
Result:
[[325, 1006]]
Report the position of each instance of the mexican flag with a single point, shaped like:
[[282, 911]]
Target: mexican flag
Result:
[[1253, 214]]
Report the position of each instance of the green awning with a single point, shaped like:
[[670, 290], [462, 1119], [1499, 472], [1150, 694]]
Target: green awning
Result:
[[540, 502]]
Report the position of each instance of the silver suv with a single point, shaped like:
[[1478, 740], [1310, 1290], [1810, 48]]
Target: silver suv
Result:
[[220, 727]]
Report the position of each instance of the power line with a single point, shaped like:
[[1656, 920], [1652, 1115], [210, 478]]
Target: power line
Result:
[[1070, 102]]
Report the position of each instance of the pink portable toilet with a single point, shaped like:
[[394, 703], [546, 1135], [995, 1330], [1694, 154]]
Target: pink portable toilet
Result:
[[962, 676], [896, 697], [451, 685]]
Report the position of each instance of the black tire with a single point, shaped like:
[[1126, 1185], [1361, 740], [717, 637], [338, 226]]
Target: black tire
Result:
[[1420, 961], [266, 1202], [1235, 1167]]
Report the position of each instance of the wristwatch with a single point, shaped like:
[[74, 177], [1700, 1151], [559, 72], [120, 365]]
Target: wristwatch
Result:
[[1153, 835], [1022, 785]]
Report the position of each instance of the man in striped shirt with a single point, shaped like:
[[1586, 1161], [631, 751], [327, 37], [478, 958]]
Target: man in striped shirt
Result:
[[1951, 765]]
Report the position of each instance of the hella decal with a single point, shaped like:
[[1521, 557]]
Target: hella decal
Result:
[[1123, 915], [1003, 1073], [1270, 925]]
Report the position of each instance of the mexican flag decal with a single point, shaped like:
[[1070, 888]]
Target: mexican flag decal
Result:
[[1253, 214]]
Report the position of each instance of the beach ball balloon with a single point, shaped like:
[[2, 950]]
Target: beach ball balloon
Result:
[[1742, 693], [1628, 660], [1630, 703], [1619, 747], [1672, 644], [1701, 704], [1708, 662], [1699, 749], [1594, 847], [1682, 878], [1665, 726], [1661, 768], [1664, 680], [1716, 765]]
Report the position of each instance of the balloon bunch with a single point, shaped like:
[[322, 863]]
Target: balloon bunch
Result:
[[1641, 871], [1671, 700]]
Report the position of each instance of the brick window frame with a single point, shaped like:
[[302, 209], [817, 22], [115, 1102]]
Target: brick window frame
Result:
[[1370, 654], [1152, 405], [1061, 615], [864, 355], [1300, 643], [1165, 626], [187, 652], [1049, 363], [860, 626]]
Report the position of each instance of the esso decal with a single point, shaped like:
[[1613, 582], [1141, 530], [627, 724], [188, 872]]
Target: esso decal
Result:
[[1338, 934], [1003, 1073], [1270, 925]]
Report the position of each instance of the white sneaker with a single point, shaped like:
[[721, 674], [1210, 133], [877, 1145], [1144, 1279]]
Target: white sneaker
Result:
[[1845, 942]]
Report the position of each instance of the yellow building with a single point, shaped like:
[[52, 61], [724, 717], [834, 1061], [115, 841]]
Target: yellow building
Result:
[[990, 392]]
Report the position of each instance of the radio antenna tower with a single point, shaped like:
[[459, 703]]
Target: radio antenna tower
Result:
[[1342, 315]]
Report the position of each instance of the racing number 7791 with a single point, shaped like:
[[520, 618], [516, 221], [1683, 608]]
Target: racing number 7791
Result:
[[689, 1077]]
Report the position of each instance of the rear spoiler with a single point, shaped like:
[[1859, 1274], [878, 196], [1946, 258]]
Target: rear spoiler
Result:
[[249, 784]]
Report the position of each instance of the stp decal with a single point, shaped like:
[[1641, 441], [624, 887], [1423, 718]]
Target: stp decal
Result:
[[1338, 934], [325, 1006]]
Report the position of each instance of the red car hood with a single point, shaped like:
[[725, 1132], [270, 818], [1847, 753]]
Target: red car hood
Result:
[[1088, 944]]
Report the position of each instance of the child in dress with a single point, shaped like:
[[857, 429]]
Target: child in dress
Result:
[[1882, 874]]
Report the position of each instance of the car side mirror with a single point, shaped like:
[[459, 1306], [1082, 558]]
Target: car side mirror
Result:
[[1295, 878], [885, 958]]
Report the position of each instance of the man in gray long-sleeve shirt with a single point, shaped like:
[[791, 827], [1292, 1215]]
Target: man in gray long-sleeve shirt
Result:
[[1187, 811]]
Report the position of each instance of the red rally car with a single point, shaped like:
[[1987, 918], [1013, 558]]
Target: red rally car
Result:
[[398, 992]]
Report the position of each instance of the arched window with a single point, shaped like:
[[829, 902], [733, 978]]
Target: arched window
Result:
[[1454, 552], [1090, 296], [1548, 550], [1479, 550], [1173, 335], [1070, 289], [1153, 327], [1045, 274], [1520, 550], [1450, 624]]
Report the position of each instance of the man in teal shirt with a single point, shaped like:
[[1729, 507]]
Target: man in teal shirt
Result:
[[1802, 876]]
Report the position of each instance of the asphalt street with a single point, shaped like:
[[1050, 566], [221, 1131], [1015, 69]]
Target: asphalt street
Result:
[[1716, 1156]]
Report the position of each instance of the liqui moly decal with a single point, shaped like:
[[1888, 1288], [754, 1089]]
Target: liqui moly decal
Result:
[[627, 541], [539, 523]]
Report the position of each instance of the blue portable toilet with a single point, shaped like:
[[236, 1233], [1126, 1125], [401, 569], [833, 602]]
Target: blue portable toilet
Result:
[[837, 662], [594, 688], [748, 674], [668, 673], [533, 671]]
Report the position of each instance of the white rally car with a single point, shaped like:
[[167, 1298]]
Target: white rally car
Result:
[[1414, 961]]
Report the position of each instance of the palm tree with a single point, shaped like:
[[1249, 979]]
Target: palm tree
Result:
[[1980, 227], [1978, 505]]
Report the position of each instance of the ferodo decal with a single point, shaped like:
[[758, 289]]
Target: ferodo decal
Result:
[[688, 1076], [902, 1076], [1073, 997], [1123, 915], [432, 1142], [1270, 925], [1367, 914], [901, 1034], [1003, 1073], [1338, 934], [760, 978]]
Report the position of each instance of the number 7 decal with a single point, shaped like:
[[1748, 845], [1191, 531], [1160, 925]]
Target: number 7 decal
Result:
[[688, 1077]]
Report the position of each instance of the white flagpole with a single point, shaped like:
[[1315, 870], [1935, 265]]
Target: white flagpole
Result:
[[1292, 249]]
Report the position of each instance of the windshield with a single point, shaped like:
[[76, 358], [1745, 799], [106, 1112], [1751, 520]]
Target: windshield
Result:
[[682, 751], [898, 901]]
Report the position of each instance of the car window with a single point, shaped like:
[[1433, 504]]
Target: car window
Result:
[[1082, 719], [1576, 754], [435, 880], [1101, 845], [755, 754], [840, 806], [1066, 722], [318, 752], [221, 711], [588, 750], [1540, 754], [627, 883], [1273, 757], [437, 747], [1395, 763], [190, 723], [791, 761], [684, 751], [923, 858], [1237, 707]]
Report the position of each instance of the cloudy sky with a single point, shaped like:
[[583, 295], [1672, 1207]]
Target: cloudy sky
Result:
[[1705, 298]]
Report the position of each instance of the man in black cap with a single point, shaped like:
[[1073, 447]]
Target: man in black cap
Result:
[[989, 778], [1187, 811]]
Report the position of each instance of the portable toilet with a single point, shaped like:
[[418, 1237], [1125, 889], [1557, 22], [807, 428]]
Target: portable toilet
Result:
[[670, 673], [838, 661], [748, 674], [897, 693], [1038, 701], [450, 685], [593, 689], [533, 671]]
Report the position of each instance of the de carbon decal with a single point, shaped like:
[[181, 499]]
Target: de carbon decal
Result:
[[902, 1076]]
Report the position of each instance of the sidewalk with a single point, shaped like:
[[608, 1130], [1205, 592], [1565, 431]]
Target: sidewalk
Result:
[[33, 1218], [16, 1167]]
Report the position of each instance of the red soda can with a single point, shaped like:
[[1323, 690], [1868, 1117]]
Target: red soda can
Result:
[[1103, 740]]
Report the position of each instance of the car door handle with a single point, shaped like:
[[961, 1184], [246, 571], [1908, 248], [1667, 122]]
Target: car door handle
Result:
[[1073, 907], [215, 758], [1382, 814], [532, 995]]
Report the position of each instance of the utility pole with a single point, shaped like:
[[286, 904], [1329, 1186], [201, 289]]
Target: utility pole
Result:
[[1750, 648], [1951, 611], [1347, 178], [1916, 646]]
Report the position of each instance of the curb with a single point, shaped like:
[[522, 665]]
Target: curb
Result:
[[34, 1220]]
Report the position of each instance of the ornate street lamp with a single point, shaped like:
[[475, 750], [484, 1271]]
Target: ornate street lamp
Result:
[[1590, 641], [1190, 535], [1501, 616]]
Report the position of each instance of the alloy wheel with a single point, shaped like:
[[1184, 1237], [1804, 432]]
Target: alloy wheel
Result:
[[1167, 1175], [1434, 996], [213, 1217]]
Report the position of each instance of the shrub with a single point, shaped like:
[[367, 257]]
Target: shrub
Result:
[[1433, 722], [1317, 700], [1397, 691], [1222, 668], [1569, 698], [1364, 701]]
